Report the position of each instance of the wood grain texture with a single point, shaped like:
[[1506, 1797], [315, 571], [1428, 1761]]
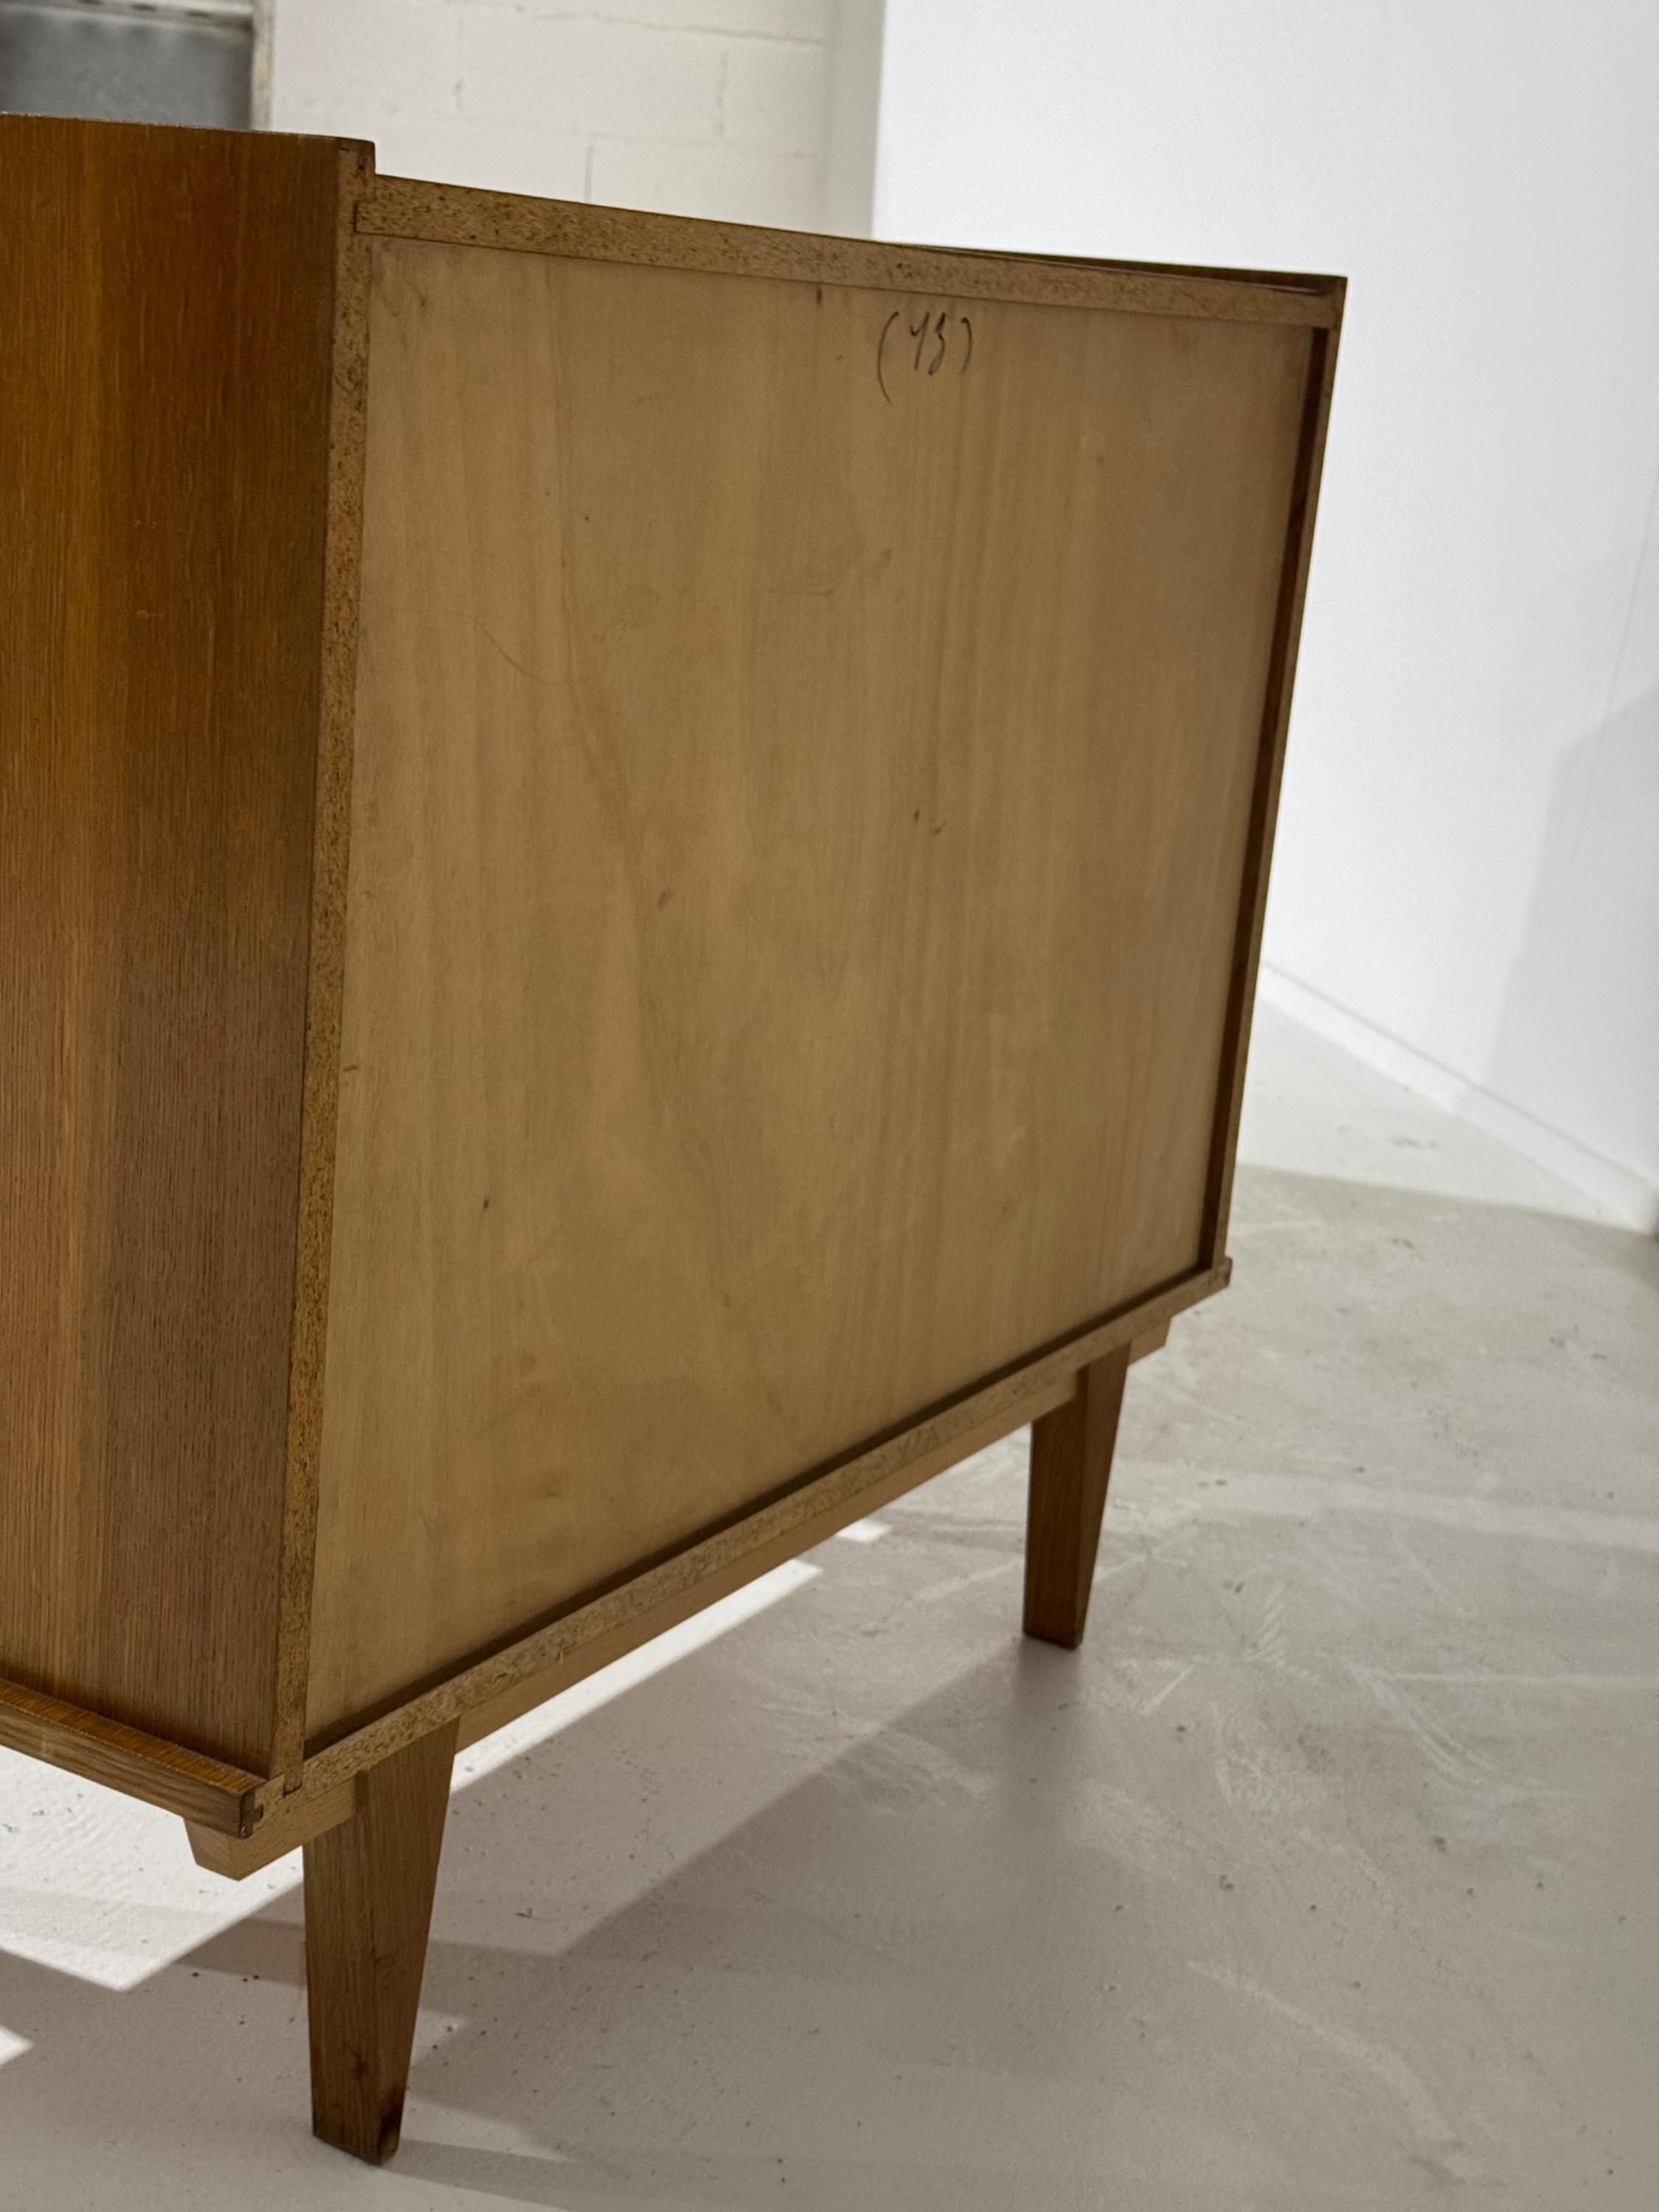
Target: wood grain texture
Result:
[[409, 207], [1070, 1465], [325, 980], [640, 1604], [832, 1511], [296, 1821], [517, 1681], [1270, 769], [216, 1795], [165, 315], [799, 824], [797, 843], [370, 1883]]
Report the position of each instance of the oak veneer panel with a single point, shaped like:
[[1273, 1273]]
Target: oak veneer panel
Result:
[[799, 814], [222, 1799], [165, 331]]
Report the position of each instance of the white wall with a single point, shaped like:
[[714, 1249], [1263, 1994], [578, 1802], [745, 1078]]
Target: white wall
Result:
[[855, 59], [1467, 882], [711, 107]]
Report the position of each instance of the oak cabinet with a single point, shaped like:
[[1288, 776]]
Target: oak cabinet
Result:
[[635, 856]]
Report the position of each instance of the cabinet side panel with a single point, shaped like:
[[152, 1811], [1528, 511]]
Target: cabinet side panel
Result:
[[165, 313], [804, 752]]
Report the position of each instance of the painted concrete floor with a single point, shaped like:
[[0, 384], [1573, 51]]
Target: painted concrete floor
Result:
[[1323, 1877]]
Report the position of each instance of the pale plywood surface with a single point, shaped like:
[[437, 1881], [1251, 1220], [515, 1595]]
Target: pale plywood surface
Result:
[[797, 843], [602, 1626]]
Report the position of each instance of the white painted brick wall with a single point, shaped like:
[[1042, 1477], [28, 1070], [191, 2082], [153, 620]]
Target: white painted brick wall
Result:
[[712, 107]]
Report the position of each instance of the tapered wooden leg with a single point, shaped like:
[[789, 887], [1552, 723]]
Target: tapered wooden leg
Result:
[[368, 1907], [1071, 1461]]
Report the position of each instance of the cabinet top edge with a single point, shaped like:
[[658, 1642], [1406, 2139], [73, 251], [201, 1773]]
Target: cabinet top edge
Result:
[[463, 215], [20, 126]]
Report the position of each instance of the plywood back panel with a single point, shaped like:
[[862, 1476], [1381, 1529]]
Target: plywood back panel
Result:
[[165, 331], [805, 750]]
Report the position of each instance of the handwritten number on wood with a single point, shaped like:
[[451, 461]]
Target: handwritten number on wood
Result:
[[881, 351], [940, 337]]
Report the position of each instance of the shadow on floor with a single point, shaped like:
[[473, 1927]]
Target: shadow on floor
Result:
[[1321, 1877]]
